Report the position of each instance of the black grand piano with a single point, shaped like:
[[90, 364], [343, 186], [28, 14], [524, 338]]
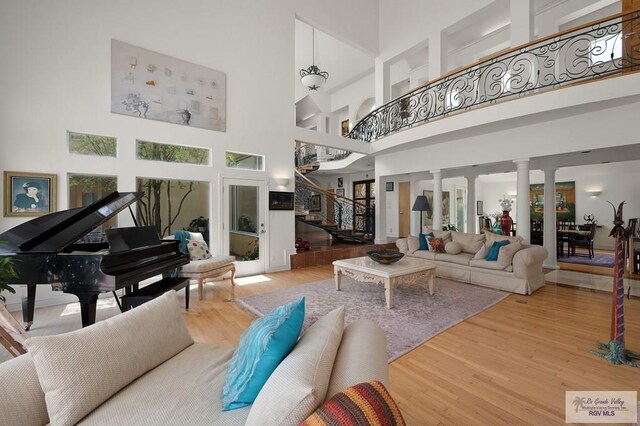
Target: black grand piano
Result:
[[46, 250]]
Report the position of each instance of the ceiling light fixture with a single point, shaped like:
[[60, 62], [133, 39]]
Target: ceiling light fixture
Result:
[[312, 77]]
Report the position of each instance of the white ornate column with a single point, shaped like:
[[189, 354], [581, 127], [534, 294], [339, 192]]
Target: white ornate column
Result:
[[521, 25], [472, 218], [381, 210], [523, 214], [436, 208], [549, 232]]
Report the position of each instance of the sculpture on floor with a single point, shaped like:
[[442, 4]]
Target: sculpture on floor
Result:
[[617, 353]]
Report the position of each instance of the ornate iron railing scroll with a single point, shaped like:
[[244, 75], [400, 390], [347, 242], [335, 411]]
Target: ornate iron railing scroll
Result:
[[594, 50]]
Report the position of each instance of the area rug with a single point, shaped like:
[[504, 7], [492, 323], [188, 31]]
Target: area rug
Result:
[[415, 318], [599, 259]]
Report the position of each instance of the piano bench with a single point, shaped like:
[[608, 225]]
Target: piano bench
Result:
[[150, 292], [202, 270]]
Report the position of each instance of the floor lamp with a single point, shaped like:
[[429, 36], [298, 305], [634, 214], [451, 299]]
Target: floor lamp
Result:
[[421, 204]]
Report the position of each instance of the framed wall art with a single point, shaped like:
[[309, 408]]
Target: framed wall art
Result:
[[344, 128], [151, 85], [389, 186], [340, 192], [314, 203], [565, 201], [29, 194], [280, 200]]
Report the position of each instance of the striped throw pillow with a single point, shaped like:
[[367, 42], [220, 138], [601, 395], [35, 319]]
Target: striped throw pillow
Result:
[[365, 403]]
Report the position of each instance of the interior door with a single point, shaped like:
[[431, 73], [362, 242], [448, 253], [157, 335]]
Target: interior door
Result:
[[364, 194], [244, 229], [404, 209]]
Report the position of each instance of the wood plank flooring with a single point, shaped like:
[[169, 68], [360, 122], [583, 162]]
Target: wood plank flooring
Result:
[[510, 364]]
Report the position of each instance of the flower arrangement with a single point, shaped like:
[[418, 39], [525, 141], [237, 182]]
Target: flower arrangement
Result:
[[505, 203]]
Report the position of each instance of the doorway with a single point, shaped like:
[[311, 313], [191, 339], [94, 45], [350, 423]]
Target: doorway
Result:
[[243, 225], [364, 193], [404, 209]]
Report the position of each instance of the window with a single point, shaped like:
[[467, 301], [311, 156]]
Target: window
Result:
[[146, 150], [87, 189], [237, 160], [85, 144], [173, 205]]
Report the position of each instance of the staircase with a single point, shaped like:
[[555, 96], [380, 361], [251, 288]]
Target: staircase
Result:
[[332, 213]]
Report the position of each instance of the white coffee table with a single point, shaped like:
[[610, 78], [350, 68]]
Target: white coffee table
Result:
[[406, 270]]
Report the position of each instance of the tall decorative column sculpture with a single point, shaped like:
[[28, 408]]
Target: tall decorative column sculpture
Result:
[[617, 353]]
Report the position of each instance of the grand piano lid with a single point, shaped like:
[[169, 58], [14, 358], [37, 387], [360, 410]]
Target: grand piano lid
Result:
[[53, 232]]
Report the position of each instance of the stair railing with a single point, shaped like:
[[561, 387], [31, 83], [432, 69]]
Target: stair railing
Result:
[[594, 50], [318, 201], [312, 155]]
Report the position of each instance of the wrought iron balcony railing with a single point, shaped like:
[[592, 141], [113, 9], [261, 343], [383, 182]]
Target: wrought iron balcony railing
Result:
[[312, 155], [594, 50]]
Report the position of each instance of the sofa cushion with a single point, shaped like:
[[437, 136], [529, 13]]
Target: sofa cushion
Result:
[[363, 404], [22, 400], [185, 390], [506, 253], [413, 244], [423, 254], [80, 370], [200, 266], [436, 245], [262, 347], [491, 238], [470, 243], [489, 264], [459, 259], [453, 247], [360, 337], [495, 249], [482, 253], [198, 250], [299, 385], [424, 245]]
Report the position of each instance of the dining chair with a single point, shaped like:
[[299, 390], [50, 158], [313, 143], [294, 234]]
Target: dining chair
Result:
[[585, 240]]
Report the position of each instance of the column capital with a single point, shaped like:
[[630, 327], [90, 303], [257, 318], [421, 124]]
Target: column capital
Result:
[[521, 161], [436, 172], [551, 170]]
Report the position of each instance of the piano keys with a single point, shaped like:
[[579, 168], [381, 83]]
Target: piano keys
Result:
[[45, 250]]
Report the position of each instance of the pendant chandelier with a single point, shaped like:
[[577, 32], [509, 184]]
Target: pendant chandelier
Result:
[[312, 77]]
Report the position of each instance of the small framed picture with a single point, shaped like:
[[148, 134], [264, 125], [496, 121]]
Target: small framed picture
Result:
[[340, 182], [344, 128], [389, 186], [29, 194], [280, 200], [314, 203], [479, 211], [340, 192]]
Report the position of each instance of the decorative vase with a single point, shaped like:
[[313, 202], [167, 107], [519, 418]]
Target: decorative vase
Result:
[[506, 222]]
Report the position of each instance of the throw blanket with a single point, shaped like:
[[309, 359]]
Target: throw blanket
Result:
[[183, 237]]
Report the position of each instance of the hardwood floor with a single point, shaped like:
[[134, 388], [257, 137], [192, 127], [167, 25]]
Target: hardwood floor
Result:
[[510, 364]]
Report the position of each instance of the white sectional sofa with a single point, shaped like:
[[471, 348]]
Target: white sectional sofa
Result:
[[521, 274], [142, 367]]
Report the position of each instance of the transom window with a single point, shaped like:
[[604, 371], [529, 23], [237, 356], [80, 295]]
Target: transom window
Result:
[[86, 144], [238, 160], [155, 151]]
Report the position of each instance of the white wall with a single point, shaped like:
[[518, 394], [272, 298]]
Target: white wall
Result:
[[352, 97], [56, 77]]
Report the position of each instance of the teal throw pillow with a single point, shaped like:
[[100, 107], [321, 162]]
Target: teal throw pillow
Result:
[[424, 244], [262, 347], [495, 249]]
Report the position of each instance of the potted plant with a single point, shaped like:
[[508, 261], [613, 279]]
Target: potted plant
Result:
[[6, 271]]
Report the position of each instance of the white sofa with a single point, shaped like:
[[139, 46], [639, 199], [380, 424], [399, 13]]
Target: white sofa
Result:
[[143, 368], [522, 274]]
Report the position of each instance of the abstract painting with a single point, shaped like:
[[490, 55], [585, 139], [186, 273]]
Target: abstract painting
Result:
[[151, 85], [427, 215], [565, 201]]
